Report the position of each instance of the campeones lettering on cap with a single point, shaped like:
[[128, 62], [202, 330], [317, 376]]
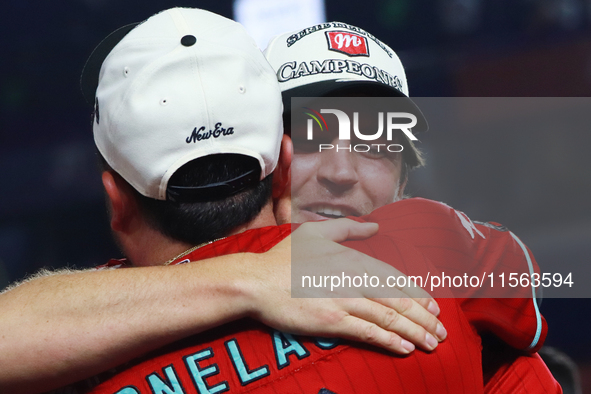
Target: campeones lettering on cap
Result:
[[350, 44]]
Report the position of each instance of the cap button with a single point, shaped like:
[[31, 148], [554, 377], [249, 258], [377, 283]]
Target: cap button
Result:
[[188, 40]]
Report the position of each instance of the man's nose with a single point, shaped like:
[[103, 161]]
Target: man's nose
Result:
[[338, 170]]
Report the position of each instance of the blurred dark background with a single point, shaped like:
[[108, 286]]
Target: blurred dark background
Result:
[[537, 183]]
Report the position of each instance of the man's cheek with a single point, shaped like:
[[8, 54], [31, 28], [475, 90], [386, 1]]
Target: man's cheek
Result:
[[381, 187], [299, 178], [302, 171]]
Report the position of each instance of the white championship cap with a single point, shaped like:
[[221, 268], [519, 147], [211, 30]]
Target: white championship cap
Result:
[[184, 84], [334, 57]]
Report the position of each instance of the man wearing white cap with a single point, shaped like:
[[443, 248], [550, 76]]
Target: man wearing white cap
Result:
[[336, 59]]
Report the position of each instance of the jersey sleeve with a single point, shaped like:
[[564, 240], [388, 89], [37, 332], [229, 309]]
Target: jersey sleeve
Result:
[[513, 315], [458, 247]]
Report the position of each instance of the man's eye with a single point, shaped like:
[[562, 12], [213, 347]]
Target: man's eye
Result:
[[373, 151]]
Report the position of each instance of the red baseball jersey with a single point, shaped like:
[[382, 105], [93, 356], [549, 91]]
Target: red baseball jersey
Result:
[[246, 356]]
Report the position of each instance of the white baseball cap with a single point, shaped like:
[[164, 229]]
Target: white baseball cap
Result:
[[335, 57], [184, 84]]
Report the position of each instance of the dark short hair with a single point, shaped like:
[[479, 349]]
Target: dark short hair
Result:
[[197, 222]]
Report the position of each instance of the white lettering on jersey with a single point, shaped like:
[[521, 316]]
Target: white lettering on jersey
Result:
[[468, 225]]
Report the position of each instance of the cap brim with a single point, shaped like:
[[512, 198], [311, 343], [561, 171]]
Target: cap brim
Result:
[[336, 88], [92, 68]]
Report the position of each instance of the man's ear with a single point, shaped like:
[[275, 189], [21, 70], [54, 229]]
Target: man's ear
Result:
[[282, 184], [122, 203], [282, 174]]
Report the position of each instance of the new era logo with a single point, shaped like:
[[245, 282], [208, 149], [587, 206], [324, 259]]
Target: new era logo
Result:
[[348, 43]]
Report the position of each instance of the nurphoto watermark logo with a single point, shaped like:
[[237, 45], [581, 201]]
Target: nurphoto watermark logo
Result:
[[352, 125]]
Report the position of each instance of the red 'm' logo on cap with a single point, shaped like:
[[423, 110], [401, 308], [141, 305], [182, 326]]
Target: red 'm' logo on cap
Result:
[[348, 43]]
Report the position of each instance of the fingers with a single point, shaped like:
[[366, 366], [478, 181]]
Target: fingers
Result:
[[402, 316], [416, 321], [361, 330], [355, 230], [429, 304], [339, 230]]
